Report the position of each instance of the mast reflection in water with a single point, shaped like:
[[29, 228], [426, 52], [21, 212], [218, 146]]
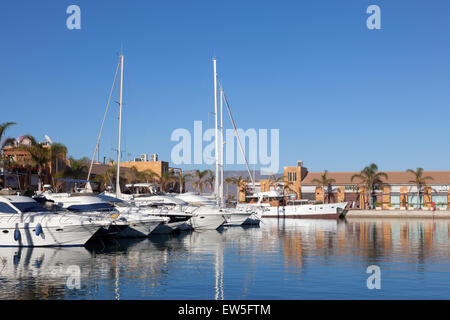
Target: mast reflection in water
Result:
[[281, 259]]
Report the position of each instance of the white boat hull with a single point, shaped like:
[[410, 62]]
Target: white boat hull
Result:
[[206, 221], [316, 211], [24, 235], [236, 219]]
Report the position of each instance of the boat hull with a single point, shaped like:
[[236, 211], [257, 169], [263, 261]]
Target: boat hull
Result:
[[207, 221], [236, 219], [25, 235], [318, 211], [139, 228]]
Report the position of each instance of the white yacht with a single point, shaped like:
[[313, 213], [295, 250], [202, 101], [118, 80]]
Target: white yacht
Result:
[[131, 222], [276, 207], [24, 223], [173, 219], [233, 216], [145, 195]]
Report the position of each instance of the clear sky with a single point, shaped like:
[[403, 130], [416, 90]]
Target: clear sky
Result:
[[342, 95]]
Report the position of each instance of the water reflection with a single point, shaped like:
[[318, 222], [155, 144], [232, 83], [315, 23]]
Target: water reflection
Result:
[[281, 259]]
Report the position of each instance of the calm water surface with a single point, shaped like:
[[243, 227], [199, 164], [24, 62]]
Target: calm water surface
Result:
[[281, 259]]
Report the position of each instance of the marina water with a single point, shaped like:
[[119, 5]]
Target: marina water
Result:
[[280, 259]]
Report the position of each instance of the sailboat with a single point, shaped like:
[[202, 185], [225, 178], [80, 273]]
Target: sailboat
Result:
[[233, 216], [198, 218]]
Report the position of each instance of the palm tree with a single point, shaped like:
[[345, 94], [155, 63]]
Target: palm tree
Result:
[[276, 182], [370, 178], [228, 181], [210, 180], [132, 175], [3, 127], [165, 179], [110, 175], [199, 180], [237, 181], [40, 156], [6, 141], [419, 180], [58, 151], [182, 179], [147, 175], [323, 182], [77, 169]]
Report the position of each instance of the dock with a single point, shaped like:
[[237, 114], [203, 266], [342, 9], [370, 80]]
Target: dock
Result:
[[438, 214]]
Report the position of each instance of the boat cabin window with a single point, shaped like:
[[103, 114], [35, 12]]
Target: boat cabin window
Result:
[[91, 207], [119, 204], [29, 207], [5, 208]]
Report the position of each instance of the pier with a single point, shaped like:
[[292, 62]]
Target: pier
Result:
[[438, 214]]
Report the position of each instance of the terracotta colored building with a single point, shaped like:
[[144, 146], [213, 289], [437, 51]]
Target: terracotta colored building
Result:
[[397, 192]]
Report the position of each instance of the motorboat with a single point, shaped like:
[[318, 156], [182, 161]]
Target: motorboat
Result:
[[173, 218], [233, 216], [127, 223], [276, 206], [25, 223], [146, 195]]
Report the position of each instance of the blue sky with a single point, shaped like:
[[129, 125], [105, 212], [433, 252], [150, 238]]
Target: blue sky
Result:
[[342, 96]]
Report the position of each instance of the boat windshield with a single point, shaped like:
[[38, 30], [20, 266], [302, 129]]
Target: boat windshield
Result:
[[90, 207], [29, 207], [121, 204], [5, 208]]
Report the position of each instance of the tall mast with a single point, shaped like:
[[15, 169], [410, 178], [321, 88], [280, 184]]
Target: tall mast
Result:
[[120, 128], [216, 180], [222, 202]]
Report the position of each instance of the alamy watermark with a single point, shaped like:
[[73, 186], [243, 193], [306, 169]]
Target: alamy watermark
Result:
[[73, 274], [373, 22], [258, 148], [74, 20], [374, 280]]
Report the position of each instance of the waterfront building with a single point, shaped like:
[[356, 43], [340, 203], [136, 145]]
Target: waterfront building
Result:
[[160, 168], [397, 192], [19, 172]]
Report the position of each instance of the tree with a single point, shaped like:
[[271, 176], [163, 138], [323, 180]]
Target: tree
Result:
[[165, 179], [77, 168], [198, 181], [7, 141], [40, 156], [3, 127], [210, 178], [182, 179], [324, 182], [57, 151], [227, 181], [276, 182], [147, 175], [419, 180], [370, 178], [132, 175], [237, 181]]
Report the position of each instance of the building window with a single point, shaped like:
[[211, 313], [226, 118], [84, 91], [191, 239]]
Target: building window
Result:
[[292, 176], [395, 201], [440, 201], [412, 201]]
